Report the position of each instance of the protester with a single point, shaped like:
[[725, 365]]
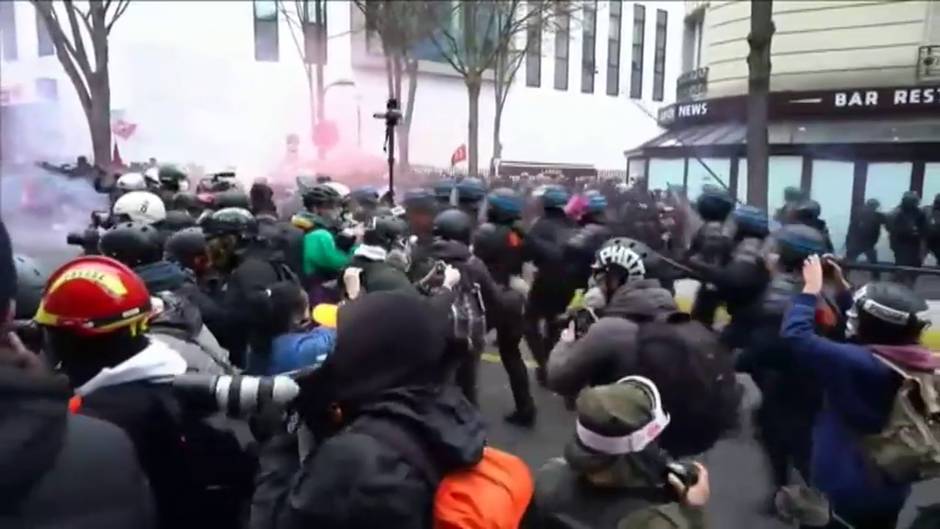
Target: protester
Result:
[[46, 453], [295, 345], [613, 474], [859, 381], [358, 474]]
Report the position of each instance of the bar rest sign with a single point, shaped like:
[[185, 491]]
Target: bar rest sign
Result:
[[900, 100]]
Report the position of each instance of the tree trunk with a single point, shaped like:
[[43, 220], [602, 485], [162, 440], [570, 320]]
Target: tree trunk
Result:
[[497, 145], [758, 60], [473, 123], [99, 117], [311, 96], [404, 128]]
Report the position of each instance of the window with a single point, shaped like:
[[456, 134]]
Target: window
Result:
[[659, 60], [562, 37], [313, 21], [636, 68], [588, 47], [373, 39], [613, 49], [533, 52], [266, 43], [692, 44], [47, 89], [8, 31], [46, 47]]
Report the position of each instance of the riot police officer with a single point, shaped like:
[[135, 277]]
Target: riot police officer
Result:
[[711, 246]]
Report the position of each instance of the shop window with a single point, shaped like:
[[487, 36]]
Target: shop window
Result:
[[931, 190], [782, 172], [533, 52], [742, 180], [887, 182], [699, 176], [266, 41], [613, 48], [665, 173], [313, 21], [832, 188]]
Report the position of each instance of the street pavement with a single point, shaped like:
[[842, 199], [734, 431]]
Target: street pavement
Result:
[[740, 483]]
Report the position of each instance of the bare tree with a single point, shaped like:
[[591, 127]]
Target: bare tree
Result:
[[400, 25], [73, 38], [758, 60], [474, 36]]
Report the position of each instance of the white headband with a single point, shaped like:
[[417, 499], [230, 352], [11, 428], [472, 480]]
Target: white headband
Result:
[[636, 441]]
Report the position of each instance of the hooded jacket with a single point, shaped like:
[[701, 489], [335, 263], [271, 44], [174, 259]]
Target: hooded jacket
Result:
[[47, 455], [859, 391], [377, 274], [457, 254], [136, 396], [608, 350], [355, 479]]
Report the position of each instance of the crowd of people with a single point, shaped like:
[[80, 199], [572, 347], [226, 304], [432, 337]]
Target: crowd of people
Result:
[[309, 358]]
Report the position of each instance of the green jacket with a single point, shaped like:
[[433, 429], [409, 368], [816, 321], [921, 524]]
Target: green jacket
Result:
[[321, 256]]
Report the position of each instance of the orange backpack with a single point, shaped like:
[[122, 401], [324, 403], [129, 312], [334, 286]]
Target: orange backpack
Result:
[[494, 494]]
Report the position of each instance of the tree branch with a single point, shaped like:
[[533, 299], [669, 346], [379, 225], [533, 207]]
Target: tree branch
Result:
[[81, 55], [118, 11], [63, 51]]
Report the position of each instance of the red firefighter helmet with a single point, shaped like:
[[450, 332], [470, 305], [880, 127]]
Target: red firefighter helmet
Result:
[[94, 295]]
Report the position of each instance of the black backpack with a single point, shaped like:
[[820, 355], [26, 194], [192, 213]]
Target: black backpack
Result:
[[467, 312]]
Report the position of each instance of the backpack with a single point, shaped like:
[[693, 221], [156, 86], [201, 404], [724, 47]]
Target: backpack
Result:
[[907, 449], [468, 315], [696, 359], [493, 494]]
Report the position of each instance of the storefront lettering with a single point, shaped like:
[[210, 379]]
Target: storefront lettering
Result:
[[900, 97], [693, 109]]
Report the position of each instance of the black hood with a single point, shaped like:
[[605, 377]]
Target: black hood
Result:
[[640, 300], [162, 275], [450, 427], [451, 252], [33, 413]]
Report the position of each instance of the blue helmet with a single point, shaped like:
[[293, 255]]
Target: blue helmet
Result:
[[470, 190], [442, 189], [751, 221], [553, 196], [365, 195], [796, 242], [714, 204], [504, 204], [596, 202], [419, 199]]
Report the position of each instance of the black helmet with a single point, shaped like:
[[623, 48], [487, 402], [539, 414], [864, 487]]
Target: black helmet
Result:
[[620, 253], [177, 219], [365, 196], [714, 204], [504, 205], [185, 245], [30, 282], [188, 201], [384, 231], [132, 243], [792, 194], [874, 204], [796, 242], [232, 198], [453, 225], [910, 200], [320, 195], [807, 210], [887, 313], [470, 189], [230, 221], [170, 177]]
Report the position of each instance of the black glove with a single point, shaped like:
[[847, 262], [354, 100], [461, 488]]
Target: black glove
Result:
[[345, 242]]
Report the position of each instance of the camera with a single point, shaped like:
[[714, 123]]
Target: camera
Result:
[[87, 239], [238, 395]]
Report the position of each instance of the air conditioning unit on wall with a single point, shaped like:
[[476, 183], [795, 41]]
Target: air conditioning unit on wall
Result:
[[928, 63]]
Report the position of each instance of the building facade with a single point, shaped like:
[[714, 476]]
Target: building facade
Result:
[[854, 105], [223, 82]]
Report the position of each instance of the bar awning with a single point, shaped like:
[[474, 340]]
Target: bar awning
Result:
[[516, 168], [732, 136]]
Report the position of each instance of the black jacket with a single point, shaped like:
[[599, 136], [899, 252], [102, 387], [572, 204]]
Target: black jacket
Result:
[[472, 269], [47, 457], [354, 480], [379, 275], [544, 246], [579, 253]]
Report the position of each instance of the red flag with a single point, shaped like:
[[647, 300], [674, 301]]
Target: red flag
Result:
[[459, 155], [116, 157], [123, 129]]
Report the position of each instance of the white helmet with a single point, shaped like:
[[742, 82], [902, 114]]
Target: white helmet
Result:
[[619, 252], [341, 189], [140, 206], [131, 182], [152, 177]]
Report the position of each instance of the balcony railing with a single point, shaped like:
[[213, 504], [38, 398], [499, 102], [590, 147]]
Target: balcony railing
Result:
[[928, 63], [691, 84]]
